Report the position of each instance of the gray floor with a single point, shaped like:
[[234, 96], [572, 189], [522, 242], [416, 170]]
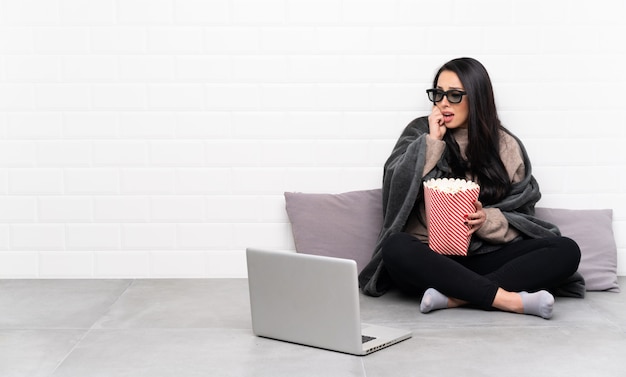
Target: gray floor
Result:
[[201, 327]]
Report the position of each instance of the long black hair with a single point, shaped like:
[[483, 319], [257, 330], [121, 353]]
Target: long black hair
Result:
[[483, 150]]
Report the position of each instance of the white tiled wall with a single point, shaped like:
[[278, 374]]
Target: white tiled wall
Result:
[[155, 138]]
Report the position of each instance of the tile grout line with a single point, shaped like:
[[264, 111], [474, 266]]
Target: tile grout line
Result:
[[88, 331], [363, 367]]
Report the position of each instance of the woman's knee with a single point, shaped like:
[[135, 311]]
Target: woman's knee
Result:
[[570, 252], [573, 248]]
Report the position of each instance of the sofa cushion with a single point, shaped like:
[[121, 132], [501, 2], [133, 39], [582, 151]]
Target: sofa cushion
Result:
[[338, 225], [592, 229], [347, 225]]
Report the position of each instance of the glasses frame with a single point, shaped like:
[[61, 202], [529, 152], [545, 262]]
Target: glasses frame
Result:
[[433, 92]]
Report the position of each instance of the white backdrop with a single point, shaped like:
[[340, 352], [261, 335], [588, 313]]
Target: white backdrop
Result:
[[155, 138]]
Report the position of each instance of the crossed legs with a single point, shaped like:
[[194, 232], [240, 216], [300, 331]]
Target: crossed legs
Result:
[[514, 278]]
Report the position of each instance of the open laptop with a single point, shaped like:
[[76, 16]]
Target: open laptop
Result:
[[312, 300]]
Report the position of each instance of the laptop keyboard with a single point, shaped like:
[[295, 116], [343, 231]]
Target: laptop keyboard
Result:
[[365, 338]]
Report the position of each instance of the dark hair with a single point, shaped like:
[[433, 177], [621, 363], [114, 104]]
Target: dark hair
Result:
[[483, 150]]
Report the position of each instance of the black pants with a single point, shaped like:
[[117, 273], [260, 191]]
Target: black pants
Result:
[[527, 265]]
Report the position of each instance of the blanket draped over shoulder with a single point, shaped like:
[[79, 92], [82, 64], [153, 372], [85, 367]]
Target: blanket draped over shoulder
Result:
[[403, 187]]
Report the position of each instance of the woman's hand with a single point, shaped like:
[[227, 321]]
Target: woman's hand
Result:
[[475, 220], [436, 125]]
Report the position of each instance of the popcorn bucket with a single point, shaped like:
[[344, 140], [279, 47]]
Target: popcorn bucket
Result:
[[447, 201]]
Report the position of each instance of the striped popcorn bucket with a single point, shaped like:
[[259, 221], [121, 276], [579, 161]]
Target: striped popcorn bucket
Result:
[[447, 201]]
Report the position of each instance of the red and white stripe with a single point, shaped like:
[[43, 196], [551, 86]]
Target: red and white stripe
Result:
[[445, 217]]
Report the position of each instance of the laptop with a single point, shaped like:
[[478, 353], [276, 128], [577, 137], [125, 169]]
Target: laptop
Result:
[[312, 300]]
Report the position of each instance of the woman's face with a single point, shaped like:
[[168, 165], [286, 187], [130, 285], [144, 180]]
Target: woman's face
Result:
[[455, 115]]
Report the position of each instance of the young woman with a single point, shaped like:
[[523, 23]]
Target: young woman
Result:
[[515, 259]]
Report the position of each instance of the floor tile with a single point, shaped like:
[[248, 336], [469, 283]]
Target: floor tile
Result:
[[519, 351], [47, 304], [611, 306], [34, 353], [181, 303], [202, 327], [199, 352]]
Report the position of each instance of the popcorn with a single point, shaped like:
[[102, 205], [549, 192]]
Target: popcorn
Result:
[[450, 185], [447, 201]]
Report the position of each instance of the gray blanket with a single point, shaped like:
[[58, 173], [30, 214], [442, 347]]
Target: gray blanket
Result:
[[402, 188]]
